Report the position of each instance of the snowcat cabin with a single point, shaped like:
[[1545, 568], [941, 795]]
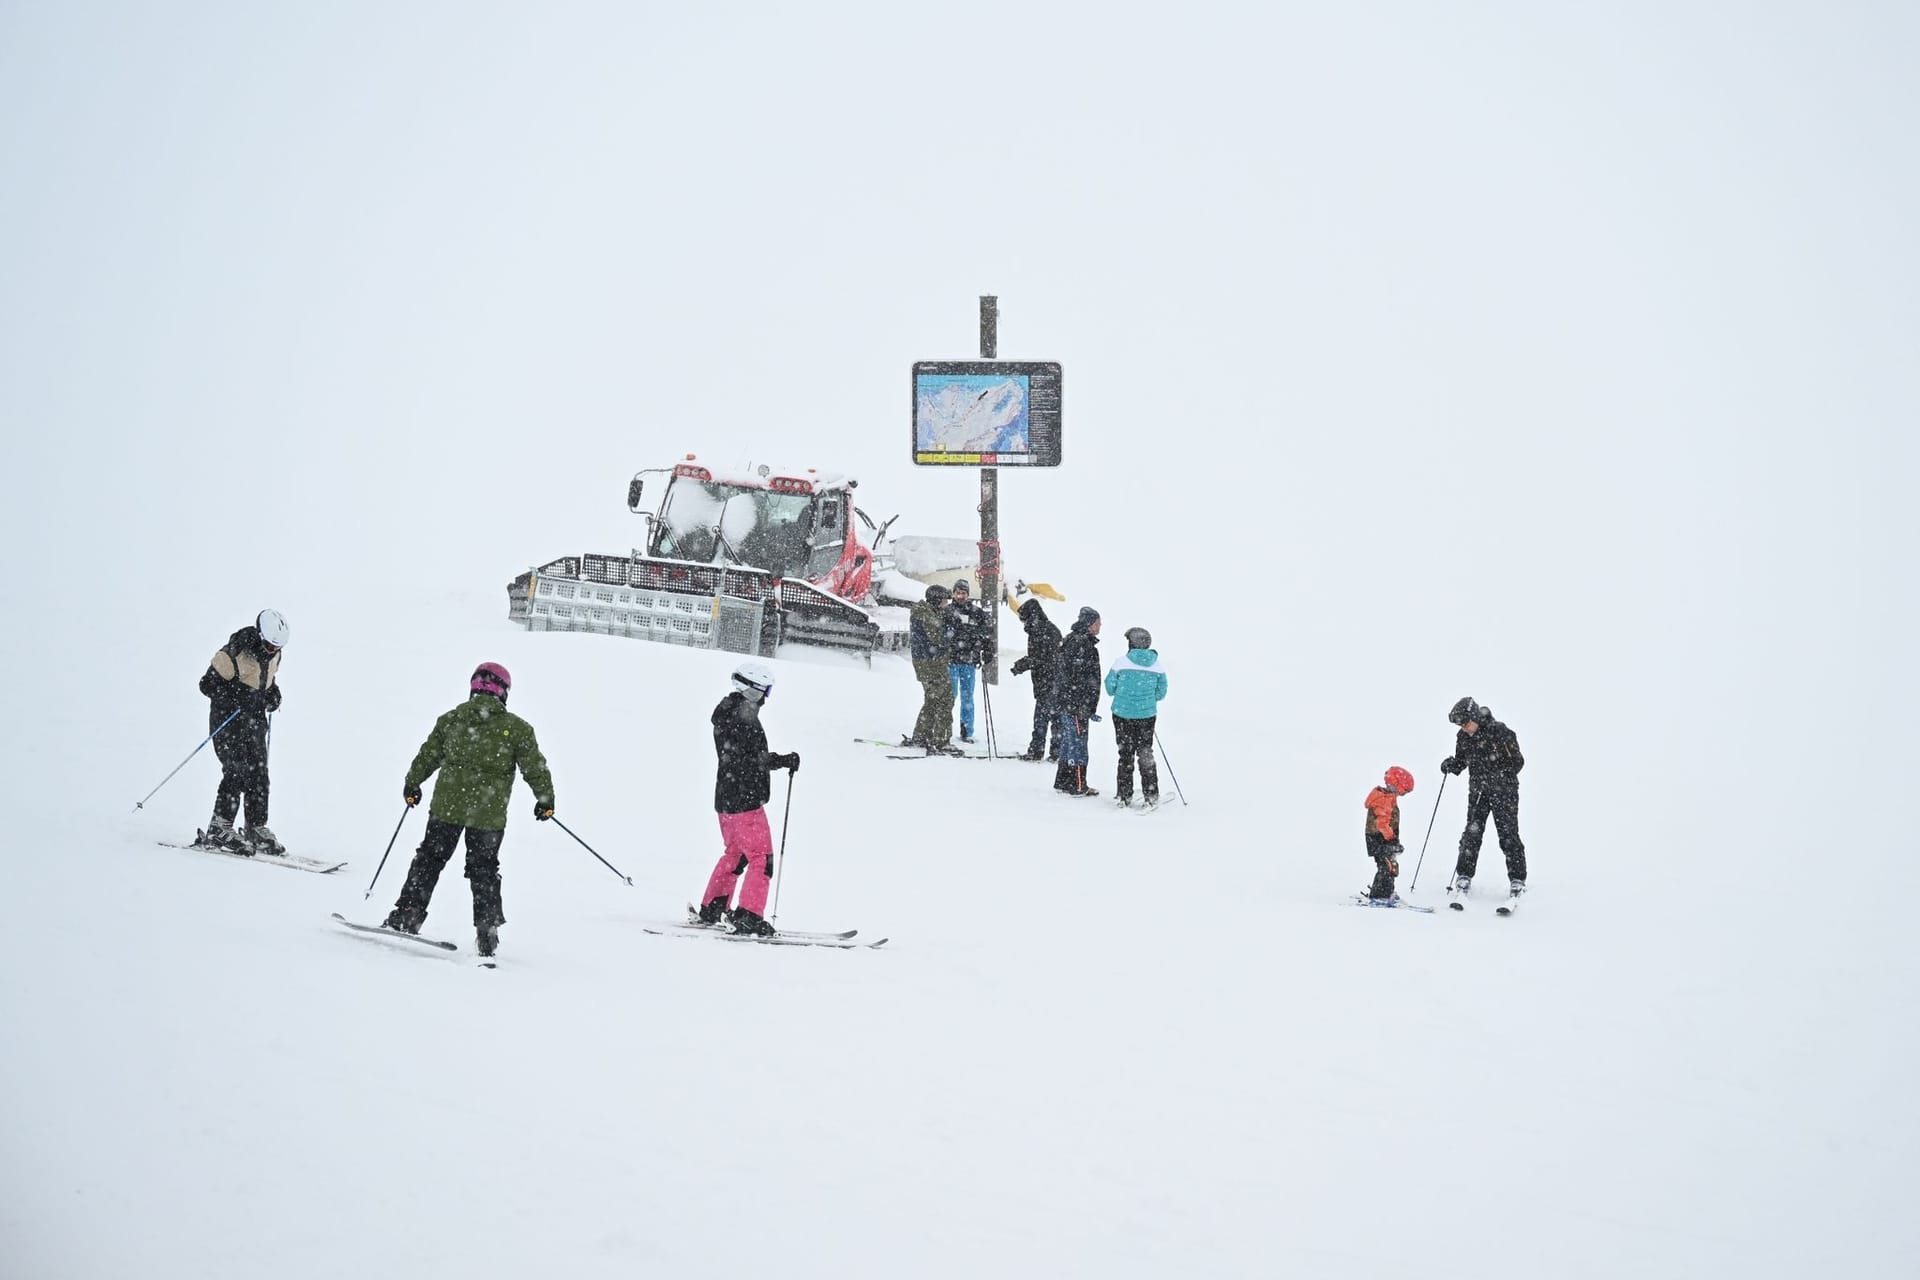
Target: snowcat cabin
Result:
[[788, 526]]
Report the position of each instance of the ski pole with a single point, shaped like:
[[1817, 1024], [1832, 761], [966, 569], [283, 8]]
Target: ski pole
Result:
[[590, 849], [383, 857], [986, 695], [1415, 882], [142, 802], [781, 865], [1163, 760]]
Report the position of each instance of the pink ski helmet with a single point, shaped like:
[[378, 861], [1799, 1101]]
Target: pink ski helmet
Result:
[[1400, 780], [491, 677]]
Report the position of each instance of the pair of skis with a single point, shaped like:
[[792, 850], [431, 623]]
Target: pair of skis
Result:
[[291, 861], [905, 751], [694, 927], [1507, 908], [415, 939]]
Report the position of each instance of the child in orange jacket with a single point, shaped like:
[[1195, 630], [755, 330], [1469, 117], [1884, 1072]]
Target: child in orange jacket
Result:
[[1383, 832]]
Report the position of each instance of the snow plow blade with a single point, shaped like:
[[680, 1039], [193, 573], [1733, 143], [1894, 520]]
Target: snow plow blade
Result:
[[701, 606]]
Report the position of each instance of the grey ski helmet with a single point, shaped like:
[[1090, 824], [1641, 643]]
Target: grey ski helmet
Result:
[[1139, 638], [1466, 709]]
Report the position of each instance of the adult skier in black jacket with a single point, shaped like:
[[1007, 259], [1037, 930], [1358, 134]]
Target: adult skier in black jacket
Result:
[[242, 684], [741, 785], [1076, 688], [1489, 754], [1042, 662]]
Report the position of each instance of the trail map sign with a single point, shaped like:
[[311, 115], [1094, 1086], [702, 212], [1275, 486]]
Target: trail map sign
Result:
[[986, 413]]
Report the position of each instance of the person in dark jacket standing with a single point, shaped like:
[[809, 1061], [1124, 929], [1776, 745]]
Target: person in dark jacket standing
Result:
[[475, 749], [929, 648], [1042, 662], [740, 790], [242, 681], [967, 627], [1489, 753], [1077, 691]]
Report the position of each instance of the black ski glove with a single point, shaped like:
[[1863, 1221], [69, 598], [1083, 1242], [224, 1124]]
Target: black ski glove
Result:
[[1452, 765], [1022, 665], [542, 810], [790, 762], [413, 796], [1393, 849], [273, 698]]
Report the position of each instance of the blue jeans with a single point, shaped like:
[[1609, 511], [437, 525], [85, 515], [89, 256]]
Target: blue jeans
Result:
[[1073, 742], [962, 675]]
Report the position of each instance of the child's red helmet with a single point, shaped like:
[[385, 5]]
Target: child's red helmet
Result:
[[1400, 780]]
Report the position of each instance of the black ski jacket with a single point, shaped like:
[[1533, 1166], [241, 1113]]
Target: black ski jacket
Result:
[[1043, 654], [1077, 685], [1490, 754], [241, 677], [966, 626], [740, 783]]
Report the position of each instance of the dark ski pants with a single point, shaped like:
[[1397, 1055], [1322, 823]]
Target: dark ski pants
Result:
[[1135, 738], [1046, 722], [935, 724], [483, 872], [242, 750], [1385, 867], [1501, 798]]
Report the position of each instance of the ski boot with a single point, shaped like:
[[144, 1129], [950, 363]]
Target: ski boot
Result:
[[1516, 889], [1123, 802], [221, 836], [744, 921], [1031, 756], [401, 920], [1457, 892], [1150, 804], [714, 912], [967, 738], [260, 839], [487, 937]]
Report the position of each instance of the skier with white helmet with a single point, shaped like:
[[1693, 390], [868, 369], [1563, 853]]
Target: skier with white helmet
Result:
[[741, 787], [242, 684]]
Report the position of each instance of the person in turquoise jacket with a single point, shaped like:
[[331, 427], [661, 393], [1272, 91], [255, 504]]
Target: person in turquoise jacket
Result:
[[1136, 682]]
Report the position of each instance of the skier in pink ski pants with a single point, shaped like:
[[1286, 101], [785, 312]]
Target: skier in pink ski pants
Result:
[[741, 786]]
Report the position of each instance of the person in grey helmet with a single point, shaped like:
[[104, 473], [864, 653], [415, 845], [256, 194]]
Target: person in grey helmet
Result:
[[1136, 682], [1489, 754]]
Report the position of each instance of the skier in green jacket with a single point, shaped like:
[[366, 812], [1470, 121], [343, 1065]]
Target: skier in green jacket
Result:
[[475, 748]]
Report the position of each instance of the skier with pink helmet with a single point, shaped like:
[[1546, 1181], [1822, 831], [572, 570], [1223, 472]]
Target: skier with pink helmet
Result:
[[475, 748]]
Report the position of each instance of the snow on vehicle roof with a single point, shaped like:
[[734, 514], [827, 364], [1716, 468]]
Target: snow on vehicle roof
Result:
[[759, 475]]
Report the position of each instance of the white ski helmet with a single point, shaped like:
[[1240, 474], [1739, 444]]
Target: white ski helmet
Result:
[[272, 628], [754, 676]]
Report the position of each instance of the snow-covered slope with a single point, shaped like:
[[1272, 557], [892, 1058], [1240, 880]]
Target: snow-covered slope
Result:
[[1097, 1043]]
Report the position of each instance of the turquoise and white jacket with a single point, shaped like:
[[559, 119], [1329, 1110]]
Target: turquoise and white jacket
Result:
[[1136, 682]]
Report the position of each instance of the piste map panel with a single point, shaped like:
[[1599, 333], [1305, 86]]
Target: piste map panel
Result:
[[986, 413]]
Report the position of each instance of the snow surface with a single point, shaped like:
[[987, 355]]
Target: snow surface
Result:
[[1562, 358]]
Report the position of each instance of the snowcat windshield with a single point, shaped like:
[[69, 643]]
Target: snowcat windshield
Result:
[[716, 523]]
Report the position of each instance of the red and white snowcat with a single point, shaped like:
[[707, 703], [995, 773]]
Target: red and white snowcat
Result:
[[745, 559]]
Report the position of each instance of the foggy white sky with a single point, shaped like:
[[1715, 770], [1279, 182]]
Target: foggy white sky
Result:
[[1560, 355]]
